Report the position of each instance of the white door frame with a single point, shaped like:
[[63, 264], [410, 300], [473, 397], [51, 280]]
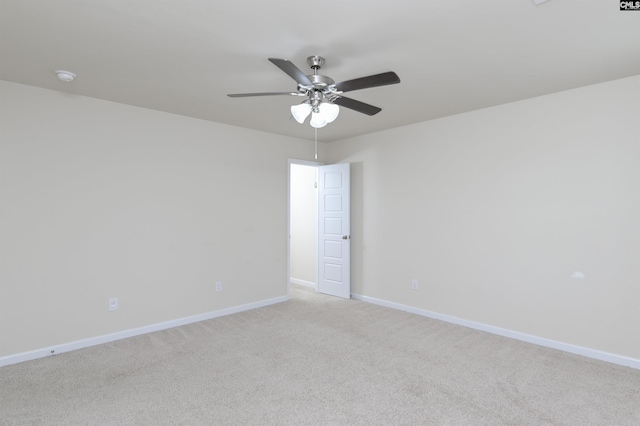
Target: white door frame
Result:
[[291, 161]]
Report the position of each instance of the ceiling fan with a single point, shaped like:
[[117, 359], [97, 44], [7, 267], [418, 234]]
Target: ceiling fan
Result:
[[322, 93]]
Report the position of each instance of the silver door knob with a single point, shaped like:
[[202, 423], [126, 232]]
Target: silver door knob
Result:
[[344, 237]]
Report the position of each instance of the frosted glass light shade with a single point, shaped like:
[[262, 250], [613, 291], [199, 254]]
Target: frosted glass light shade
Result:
[[317, 120], [329, 111], [300, 112]]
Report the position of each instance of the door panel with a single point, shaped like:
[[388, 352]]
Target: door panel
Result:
[[334, 239]]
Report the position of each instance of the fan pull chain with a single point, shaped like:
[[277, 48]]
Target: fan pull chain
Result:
[[316, 139]]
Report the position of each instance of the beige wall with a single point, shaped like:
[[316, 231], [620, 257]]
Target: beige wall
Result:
[[103, 200], [493, 210], [303, 223]]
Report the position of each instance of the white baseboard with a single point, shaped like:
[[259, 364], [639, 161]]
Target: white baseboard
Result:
[[92, 341], [541, 341], [302, 282]]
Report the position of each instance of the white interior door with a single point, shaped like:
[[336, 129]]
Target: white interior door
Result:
[[334, 233]]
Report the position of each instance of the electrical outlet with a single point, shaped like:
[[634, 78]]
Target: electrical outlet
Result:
[[414, 284], [113, 304], [219, 286]]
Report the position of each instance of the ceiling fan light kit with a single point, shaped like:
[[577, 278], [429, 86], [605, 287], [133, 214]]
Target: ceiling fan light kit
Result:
[[324, 95], [321, 114]]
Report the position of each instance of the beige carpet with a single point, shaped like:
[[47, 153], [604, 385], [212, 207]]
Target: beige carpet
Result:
[[318, 360]]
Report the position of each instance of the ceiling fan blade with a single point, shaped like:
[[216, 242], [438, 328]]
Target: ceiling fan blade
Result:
[[371, 81], [245, 95], [293, 71], [357, 105]]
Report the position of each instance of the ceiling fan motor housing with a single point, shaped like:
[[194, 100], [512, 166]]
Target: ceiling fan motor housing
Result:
[[320, 81]]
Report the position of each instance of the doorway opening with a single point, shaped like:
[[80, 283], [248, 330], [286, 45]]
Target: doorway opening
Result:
[[303, 224], [319, 243]]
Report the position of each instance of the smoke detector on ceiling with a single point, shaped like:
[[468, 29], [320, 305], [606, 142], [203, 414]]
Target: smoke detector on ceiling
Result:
[[65, 76]]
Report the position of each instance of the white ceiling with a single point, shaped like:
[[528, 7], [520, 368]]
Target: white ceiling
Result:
[[184, 56]]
